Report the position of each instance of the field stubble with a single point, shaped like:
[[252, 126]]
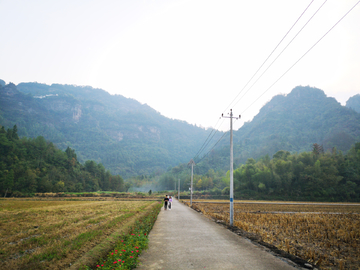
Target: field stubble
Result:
[[54, 234], [325, 235]]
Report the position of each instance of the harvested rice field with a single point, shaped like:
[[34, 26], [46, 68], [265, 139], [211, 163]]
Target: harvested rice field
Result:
[[56, 234], [326, 235]]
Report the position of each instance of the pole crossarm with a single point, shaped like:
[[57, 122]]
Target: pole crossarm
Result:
[[231, 116]]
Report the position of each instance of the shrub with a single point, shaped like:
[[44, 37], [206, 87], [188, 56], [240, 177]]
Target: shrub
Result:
[[215, 191], [17, 194], [226, 191]]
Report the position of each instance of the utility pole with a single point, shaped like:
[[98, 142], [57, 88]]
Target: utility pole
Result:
[[231, 168], [179, 190], [192, 163]]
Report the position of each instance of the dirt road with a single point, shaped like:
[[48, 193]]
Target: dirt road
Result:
[[185, 239]]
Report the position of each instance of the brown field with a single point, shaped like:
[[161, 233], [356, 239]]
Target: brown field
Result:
[[55, 234], [325, 235]]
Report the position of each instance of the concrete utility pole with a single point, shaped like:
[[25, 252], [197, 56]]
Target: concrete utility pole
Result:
[[179, 190], [192, 163], [231, 168]]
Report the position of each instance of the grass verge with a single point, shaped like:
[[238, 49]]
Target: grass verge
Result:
[[126, 252]]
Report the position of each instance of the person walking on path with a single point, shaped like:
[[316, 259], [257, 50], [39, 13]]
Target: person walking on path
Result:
[[170, 202], [166, 200]]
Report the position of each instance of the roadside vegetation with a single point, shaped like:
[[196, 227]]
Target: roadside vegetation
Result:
[[325, 235], [126, 252]]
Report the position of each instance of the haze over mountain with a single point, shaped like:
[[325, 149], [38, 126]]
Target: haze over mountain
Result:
[[126, 136], [130, 138], [354, 103], [293, 123]]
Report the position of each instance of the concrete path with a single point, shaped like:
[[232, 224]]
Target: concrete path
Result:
[[184, 239]]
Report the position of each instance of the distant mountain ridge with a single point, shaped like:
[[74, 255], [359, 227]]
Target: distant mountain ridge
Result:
[[293, 123], [127, 137], [130, 138], [354, 103], [298, 120]]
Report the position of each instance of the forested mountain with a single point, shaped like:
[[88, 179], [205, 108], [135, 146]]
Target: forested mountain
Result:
[[35, 165], [296, 121], [292, 123], [128, 138], [354, 103]]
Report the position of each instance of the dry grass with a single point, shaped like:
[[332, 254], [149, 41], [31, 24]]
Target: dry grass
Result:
[[53, 234], [326, 235]]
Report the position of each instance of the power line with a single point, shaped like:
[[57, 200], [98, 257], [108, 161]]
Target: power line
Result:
[[204, 143], [207, 141], [213, 146], [281, 52], [303, 55], [269, 55]]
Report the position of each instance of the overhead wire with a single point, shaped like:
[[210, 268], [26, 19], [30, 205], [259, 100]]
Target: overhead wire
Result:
[[213, 146], [207, 141], [204, 144], [302, 56], [270, 54], [236, 119], [281, 52]]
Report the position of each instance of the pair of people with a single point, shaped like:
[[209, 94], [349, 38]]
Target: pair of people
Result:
[[167, 202]]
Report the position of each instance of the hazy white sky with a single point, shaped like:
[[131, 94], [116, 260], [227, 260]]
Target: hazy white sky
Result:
[[186, 59]]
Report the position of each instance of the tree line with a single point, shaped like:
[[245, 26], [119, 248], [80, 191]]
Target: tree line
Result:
[[313, 176], [35, 165]]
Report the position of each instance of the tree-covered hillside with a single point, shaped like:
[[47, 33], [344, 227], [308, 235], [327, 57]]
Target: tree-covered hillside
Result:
[[128, 138], [296, 121], [292, 123], [35, 165], [131, 139], [354, 103]]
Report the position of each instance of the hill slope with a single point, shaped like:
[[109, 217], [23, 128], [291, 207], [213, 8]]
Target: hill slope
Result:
[[127, 137], [296, 121], [292, 123], [354, 103]]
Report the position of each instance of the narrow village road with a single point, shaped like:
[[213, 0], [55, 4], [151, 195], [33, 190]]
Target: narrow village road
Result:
[[184, 239]]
